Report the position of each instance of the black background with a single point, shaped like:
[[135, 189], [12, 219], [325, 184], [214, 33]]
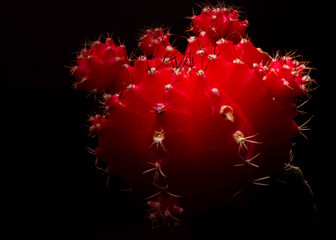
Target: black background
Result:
[[51, 187]]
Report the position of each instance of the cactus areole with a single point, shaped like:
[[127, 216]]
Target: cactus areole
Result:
[[191, 130]]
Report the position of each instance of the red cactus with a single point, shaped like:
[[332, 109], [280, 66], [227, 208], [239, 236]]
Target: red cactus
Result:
[[103, 66], [220, 22], [199, 124]]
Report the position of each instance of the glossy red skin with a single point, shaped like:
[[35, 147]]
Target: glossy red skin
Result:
[[179, 97]]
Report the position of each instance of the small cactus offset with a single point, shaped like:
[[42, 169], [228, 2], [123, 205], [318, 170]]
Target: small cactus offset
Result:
[[191, 130]]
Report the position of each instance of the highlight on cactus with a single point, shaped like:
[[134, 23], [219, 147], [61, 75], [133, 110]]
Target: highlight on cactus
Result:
[[190, 130]]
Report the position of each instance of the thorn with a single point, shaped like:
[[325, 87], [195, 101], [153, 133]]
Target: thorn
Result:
[[200, 73], [191, 39], [248, 162], [168, 87], [152, 70], [291, 158], [237, 193], [160, 108], [126, 189], [303, 127], [162, 190], [302, 104], [158, 138], [239, 138], [238, 61], [157, 169], [72, 70], [286, 83], [173, 195], [257, 181], [168, 214]]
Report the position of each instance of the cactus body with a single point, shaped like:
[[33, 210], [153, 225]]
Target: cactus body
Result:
[[189, 129]]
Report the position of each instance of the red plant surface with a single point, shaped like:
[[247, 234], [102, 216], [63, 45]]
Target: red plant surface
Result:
[[192, 129]]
